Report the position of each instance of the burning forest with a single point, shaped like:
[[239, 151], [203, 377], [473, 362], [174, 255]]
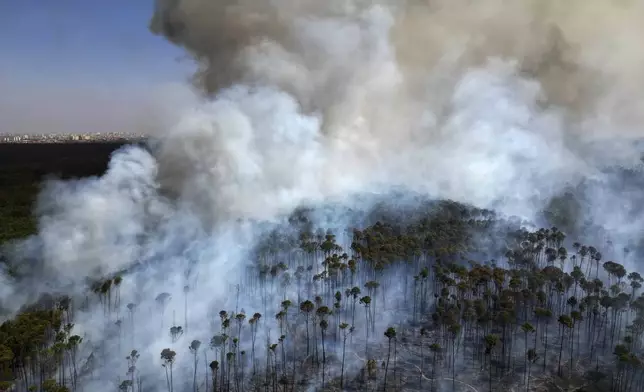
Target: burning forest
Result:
[[357, 196]]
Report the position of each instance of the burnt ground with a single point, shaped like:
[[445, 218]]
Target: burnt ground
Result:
[[23, 168]]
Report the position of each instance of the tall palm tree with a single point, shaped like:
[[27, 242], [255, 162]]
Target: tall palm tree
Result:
[[366, 301], [214, 367], [168, 356], [491, 341], [194, 349], [532, 358], [564, 322], [306, 308], [527, 328], [390, 333], [323, 326], [344, 327]]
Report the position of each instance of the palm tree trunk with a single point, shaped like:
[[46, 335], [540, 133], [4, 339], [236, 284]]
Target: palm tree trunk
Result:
[[387, 365], [323, 358], [560, 351], [171, 380], [194, 377], [527, 387], [545, 346], [525, 361], [344, 347]]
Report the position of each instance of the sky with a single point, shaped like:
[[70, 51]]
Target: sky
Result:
[[70, 65]]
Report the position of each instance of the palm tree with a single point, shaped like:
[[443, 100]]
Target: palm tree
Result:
[[218, 343], [323, 326], [423, 332], [168, 356], [366, 301], [390, 333], [526, 328], [546, 316], [576, 319], [307, 307], [371, 287], [253, 330], [355, 293], [132, 359], [72, 345], [175, 333], [214, 367], [532, 358], [491, 341], [454, 331], [194, 349], [162, 301], [565, 322], [230, 357], [346, 332]]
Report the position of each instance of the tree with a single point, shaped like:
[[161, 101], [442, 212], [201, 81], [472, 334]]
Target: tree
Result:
[[214, 367], [72, 346], [131, 367], [168, 356], [194, 349], [366, 301], [491, 341], [532, 358], [471, 302], [344, 327], [307, 307], [526, 328], [323, 326], [162, 302], [565, 322], [175, 333], [544, 315], [390, 333]]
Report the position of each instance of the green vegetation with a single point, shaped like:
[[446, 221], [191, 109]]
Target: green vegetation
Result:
[[24, 167], [18, 193]]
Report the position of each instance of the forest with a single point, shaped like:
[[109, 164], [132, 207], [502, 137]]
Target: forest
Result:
[[326, 202], [440, 296]]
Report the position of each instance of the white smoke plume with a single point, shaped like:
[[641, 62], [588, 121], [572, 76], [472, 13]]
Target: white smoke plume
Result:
[[501, 104]]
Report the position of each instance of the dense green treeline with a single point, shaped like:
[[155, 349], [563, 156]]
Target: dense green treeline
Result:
[[23, 167]]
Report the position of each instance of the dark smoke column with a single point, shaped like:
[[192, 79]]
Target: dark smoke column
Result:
[[215, 31]]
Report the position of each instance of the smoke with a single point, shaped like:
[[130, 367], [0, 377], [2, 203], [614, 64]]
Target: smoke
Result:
[[501, 104], [529, 96], [318, 51]]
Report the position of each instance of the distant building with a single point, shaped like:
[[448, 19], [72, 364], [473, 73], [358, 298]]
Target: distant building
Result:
[[65, 138]]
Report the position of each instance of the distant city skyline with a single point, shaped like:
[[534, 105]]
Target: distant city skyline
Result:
[[70, 65], [72, 137]]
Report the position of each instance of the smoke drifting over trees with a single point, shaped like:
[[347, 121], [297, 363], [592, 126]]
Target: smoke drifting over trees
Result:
[[286, 233]]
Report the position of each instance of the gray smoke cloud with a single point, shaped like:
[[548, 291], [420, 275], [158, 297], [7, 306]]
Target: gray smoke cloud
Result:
[[501, 104]]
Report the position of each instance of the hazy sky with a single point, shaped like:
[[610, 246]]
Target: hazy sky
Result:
[[70, 65]]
